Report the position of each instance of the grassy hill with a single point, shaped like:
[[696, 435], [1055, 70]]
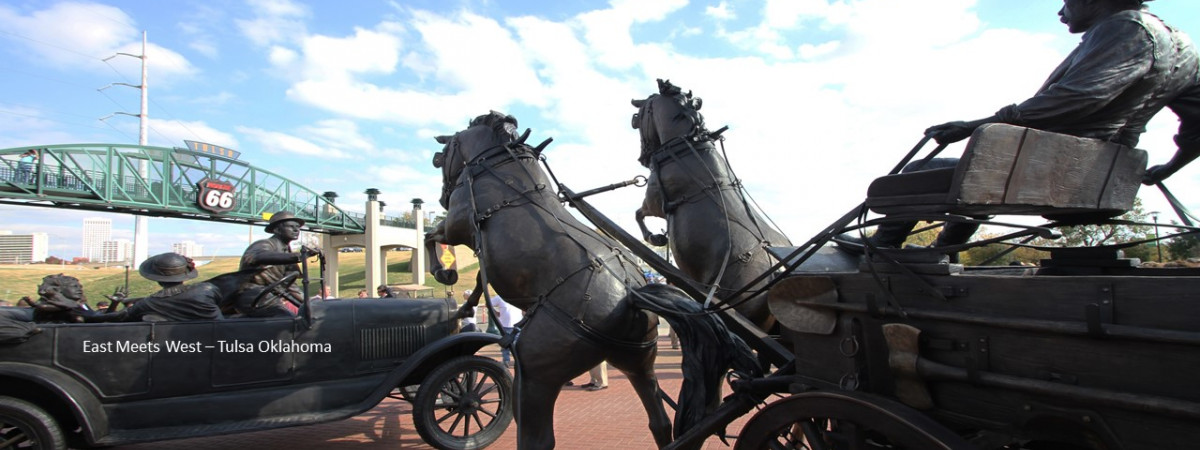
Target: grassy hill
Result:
[[20, 280]]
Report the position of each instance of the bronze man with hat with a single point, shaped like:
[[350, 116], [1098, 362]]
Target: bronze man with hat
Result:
[[274, 259], [1128, 66], [176, 301]]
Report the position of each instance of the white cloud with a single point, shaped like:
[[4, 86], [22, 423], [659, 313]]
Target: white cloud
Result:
[[810, 51], [607, 31], [220, 99], [202, 40], [23, 126], [66, 35], [339, 134], [364, 53], [787, 13], [278, 143], [474, 61], [77, 35], [720, 12], [275, 21], [282, 56], [172, 133]]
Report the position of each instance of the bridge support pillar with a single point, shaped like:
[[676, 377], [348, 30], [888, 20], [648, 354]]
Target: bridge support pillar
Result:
[[418, 253], [372, 248], [331, 264]]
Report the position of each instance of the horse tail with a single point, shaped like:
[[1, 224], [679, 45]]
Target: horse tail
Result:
[[709, 350]]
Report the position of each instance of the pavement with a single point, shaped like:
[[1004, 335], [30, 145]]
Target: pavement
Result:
[[610, 418]]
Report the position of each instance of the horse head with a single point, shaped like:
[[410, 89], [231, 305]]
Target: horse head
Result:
[[665, 116], [483, 134]]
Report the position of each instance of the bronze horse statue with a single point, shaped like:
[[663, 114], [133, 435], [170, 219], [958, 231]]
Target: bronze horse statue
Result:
[[585, 300], [718, 240]]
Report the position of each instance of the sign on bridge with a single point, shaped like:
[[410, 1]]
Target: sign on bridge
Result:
[[216, 196]]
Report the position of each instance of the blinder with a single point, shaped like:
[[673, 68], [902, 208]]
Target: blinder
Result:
[[439, 160]]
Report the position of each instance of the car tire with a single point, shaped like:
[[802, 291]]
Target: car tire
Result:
[[29, 425], [466, 403]]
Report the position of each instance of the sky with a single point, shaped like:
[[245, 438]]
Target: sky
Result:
[[821, 97]]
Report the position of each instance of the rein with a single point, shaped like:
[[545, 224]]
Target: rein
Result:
[[516, 152], [679, 147]]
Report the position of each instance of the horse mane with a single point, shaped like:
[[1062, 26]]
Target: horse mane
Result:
[[498, 122], [679, 115], [503, 128]]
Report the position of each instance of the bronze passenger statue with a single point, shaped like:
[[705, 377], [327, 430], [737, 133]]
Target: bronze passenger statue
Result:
[[1128, 67]]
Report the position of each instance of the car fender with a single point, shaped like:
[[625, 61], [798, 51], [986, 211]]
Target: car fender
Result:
[[447, 348], [70, 393], [433, 355]]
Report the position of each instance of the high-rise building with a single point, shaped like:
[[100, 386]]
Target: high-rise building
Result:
[[189, 249], [23, 248], [116, 250], [96, 230]]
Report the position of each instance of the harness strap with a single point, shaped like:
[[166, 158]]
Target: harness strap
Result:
[[679, 144], [707, 191], [589, 334], [576, 325]]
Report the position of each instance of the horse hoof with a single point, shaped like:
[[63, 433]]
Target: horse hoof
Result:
[[465, 311], [446, 277], [658, 240]]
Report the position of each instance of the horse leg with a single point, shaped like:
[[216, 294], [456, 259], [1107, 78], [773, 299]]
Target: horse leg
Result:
[[535, 412], [547, 357], [657, 240], [652, 206], [440, 273], [645, 384], [468, 307]]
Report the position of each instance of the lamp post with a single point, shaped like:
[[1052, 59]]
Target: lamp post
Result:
[[1157, 243]]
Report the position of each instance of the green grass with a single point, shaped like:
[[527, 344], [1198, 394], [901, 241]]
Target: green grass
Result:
[[18, 281]]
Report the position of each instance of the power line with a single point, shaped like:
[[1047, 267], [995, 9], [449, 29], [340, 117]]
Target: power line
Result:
[[34, 116], [65, 49], [170, 117]]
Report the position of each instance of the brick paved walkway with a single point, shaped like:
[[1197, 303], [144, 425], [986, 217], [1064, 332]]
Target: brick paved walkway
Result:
[[609, 419]]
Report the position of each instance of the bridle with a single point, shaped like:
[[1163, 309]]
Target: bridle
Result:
[[487, 163], [694, 144]]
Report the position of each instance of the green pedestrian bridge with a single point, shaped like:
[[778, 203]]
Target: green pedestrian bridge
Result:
[[202, 182]]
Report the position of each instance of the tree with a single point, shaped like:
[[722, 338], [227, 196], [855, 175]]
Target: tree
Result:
[[1182, 247], [1093, 235], [977, 255]]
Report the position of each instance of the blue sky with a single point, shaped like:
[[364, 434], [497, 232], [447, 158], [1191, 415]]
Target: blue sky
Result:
[[821, 96]]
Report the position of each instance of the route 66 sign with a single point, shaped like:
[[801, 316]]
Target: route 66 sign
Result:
[[216, 196]]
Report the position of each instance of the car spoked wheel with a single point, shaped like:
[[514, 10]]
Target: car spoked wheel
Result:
[[23, 425], [465, 404]]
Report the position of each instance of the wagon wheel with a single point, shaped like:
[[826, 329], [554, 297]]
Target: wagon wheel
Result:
[[24, 425], [279, 288], [466, 403], [843, 420]]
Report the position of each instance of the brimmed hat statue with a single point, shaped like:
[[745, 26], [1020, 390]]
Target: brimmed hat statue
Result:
[[280, 217], [168, 267]]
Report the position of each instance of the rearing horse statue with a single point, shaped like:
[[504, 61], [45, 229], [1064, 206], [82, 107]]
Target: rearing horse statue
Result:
[[585, 300], [717, 238]]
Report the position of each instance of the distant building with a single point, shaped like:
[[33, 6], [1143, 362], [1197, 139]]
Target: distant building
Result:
[[116, 250], [96, 231], [189, 249], [23, 248]]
